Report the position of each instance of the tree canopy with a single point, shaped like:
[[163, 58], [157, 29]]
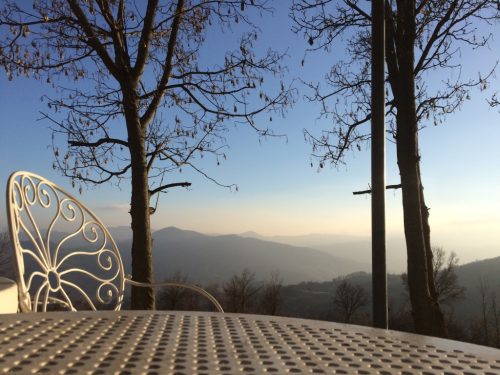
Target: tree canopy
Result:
[[444, 30], [137, 94], [424, 40], [94, 51]]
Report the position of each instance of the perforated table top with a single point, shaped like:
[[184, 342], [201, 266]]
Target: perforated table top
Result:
[[136, 342]]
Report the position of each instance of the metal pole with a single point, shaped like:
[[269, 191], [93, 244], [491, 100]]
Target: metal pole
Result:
[[379, 274]]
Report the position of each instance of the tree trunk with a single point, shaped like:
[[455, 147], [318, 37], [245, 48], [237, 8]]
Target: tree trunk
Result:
[[484, 312], [142, 264], [142, 257], [427, 239], [427, 316]]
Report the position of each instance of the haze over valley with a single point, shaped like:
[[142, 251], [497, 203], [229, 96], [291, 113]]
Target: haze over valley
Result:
[[214, 258]]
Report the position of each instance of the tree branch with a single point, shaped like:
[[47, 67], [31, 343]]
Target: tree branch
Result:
[[398, 186], [98, 142], [121, 57], [146, 35], [168, 186], [360, 11], [92, 40], [167, 70]]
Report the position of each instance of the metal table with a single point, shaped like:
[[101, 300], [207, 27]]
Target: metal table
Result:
[[132, 342]]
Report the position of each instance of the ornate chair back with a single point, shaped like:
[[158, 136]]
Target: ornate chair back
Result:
[[64, 253]]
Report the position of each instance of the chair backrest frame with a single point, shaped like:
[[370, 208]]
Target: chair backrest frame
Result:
[[26, 190]]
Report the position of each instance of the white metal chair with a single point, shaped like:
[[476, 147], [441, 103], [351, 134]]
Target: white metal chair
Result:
[[64, 253]]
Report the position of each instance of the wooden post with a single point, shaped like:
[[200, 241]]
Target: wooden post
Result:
[[379, 273]]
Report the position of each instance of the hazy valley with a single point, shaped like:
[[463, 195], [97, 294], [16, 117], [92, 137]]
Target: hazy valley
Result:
[[214, 258], [308, 273]]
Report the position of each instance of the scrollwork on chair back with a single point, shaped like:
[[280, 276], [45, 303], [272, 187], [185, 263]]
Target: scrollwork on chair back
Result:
[[65, 255]]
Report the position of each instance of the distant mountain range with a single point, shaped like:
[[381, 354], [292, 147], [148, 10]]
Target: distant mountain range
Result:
[[215, 258], [356, 248], [307, 240], [210, 258], [307, 271]]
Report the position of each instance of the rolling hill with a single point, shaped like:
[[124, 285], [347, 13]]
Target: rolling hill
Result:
[[313, 300]]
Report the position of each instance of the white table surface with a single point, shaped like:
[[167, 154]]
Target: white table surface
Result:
[[136, 342], [8, 296]]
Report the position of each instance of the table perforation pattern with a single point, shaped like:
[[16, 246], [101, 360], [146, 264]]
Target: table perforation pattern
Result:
[[208, 343]]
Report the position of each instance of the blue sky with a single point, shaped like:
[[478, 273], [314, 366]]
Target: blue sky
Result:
[[279, 193]]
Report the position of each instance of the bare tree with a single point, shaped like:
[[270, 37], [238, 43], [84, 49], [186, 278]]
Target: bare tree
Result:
[[483, 295], [485, 330], [495, 318], [173, 298], [455, 326], [400, 315], [150, 103], [240, 291], [348, 300], [448, 289], [271, 295], [423, 38], [215, 290], [475, 328]]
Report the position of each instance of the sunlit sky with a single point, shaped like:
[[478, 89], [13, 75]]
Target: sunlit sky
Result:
[[279, 193]]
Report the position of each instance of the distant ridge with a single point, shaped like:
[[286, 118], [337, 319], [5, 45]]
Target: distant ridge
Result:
[[308, 240], [252, 234], [215, 258], [349, 247]]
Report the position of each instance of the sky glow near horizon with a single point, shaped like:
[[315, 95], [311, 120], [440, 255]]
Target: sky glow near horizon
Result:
[[279, 193]]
